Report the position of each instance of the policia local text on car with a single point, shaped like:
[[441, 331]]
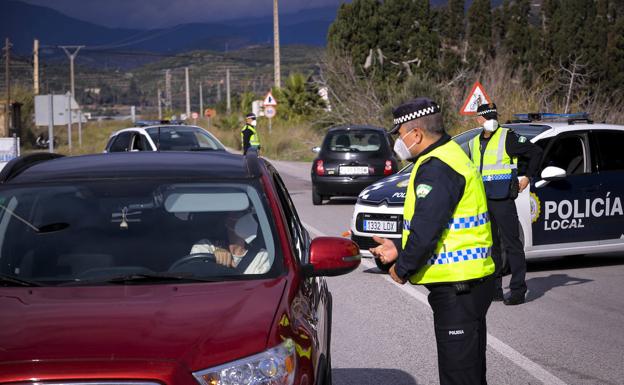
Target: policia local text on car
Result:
[[495, 153], [446, 240]]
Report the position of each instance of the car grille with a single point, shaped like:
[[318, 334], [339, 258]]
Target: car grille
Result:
[[364, 243], [359, 222]]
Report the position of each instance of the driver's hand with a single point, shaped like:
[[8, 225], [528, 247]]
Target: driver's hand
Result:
[[223, 257]]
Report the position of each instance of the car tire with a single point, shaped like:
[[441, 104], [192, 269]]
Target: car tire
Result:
[[317, 199], [385, 267]]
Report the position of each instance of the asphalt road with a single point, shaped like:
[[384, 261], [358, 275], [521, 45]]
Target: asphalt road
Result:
[[571, 330]]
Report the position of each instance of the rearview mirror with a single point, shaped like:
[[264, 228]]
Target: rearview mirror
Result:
[[316, 149], [331, 256], [553, 173]]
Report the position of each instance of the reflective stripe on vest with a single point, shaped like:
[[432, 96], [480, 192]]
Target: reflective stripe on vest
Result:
[[254, 140], [463, 250], [497, 168]]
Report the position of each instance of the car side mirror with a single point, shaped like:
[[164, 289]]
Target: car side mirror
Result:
[[316, 149], [549, 174], [332, 256]]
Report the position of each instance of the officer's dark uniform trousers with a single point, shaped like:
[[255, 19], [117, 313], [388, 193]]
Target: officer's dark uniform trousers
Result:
[[461, 331]]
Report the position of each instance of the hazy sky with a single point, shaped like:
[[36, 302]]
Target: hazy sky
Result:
[[160, 13]]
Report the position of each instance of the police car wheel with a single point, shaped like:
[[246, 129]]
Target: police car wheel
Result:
[[317, 199], [385, 267]]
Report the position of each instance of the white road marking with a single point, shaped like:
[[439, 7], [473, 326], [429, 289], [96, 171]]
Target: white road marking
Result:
[[502, 348]]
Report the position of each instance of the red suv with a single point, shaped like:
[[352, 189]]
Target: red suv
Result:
[[161, 268]]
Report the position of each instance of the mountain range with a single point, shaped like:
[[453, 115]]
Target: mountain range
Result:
[[23, 22]]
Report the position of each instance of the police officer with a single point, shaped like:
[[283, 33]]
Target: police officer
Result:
[[495, 152], [446, 240], [249, 135]]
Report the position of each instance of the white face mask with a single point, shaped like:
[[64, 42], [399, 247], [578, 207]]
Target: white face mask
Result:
[[401, 149], [254, 122], [490, 125]]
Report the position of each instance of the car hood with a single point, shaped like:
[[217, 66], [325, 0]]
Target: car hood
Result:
[[390, 190], [191, 325]]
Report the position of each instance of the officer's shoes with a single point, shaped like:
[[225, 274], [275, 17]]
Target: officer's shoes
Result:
[[514, 298], [498, 296]]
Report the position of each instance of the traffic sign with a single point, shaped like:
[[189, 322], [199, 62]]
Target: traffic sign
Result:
[[270, 111], [194, 115], [477, 97], [269, 100], [210, 112]]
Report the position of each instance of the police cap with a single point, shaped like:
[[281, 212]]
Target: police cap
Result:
[[412, 110], [488, 111]]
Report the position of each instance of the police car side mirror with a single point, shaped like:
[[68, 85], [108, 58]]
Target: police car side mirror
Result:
[[316, 149], [550, 173]]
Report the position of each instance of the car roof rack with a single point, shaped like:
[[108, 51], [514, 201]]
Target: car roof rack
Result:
[[20, 164], [252, 162], [552, 117]]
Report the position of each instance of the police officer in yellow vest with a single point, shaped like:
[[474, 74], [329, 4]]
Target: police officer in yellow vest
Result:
[[446, 240], [495, 153], [249, 135]]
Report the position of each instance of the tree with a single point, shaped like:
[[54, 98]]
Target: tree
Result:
[[479, 31], [300, 97]]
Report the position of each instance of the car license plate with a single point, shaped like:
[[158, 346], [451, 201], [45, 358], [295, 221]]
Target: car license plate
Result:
[[353, 170], [381, 226]]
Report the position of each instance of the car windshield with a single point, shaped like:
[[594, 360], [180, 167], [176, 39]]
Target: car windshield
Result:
[[354, 141], [97, 231], [183, 138]]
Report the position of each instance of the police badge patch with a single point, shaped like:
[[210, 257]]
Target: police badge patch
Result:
[[422, 190]]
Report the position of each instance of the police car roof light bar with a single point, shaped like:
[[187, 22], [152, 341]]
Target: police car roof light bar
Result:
[[535, 116]]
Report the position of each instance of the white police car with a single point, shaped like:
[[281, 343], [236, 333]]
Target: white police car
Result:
[[575, 207], [163, 137]]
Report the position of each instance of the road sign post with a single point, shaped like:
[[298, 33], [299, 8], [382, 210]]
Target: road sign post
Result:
[[269, 103]]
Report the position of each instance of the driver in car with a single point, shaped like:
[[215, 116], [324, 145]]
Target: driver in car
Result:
[[243, 252]]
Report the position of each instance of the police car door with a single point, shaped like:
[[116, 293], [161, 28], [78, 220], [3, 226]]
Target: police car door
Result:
[[563, 206], [606, 146]]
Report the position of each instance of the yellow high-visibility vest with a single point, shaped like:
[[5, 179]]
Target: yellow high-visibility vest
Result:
[[254, 140], [463, 252], [497, 168]]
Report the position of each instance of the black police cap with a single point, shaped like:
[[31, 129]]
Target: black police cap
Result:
[[250, 116], [488, 111], [412, 110]]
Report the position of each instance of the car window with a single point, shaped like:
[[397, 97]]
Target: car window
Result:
[[96, 230], [568, 153], [609, 150], [140, 143], [182, 138], [297, 233], [465, 137], [354, 141], [121, 142]]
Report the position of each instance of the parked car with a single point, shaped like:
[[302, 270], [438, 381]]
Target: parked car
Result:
[[351, 158], [110, 273], [163, 138], [575, 207]]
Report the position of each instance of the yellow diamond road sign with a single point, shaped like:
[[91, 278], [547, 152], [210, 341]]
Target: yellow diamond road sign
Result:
[[269, 100]]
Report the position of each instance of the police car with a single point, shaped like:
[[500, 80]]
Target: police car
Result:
[[171, 136], [574, 207]]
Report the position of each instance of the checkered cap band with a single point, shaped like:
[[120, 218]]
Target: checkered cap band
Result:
[[481, 113], [417, 114]]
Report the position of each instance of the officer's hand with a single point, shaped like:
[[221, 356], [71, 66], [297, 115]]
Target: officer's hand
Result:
[[223, 257], [523, 182], [395, 277], [386, 251]]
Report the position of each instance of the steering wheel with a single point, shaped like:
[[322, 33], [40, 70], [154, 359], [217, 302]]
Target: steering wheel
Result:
[[205, 256]]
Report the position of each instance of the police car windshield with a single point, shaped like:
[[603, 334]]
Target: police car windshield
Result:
[[527, 130], [97, 231], [182, 138]]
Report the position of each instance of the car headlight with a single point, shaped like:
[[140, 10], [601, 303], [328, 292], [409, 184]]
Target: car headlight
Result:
[[275, 366]]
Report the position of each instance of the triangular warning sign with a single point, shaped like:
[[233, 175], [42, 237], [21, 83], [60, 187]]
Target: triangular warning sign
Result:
[[477, 97], [269, 100]]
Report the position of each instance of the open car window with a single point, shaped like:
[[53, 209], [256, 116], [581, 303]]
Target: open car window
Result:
[[93, 231]]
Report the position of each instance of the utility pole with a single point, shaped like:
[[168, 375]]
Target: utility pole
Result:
[[219, 90], [227, 91], [69, 121], [72, 57], [159, 106], [168, 101], [201, 99], [36, 67], [7, 79], [188, 93], [276, 46]]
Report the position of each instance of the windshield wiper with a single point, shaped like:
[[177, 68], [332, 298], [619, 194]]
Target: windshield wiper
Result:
[[141, 278], [9, 280]]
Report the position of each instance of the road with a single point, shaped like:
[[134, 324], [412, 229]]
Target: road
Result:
[[570, 331]]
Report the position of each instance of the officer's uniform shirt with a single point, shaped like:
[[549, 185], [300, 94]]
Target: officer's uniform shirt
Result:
[[521, 147], [432, 213], [247, 133]]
